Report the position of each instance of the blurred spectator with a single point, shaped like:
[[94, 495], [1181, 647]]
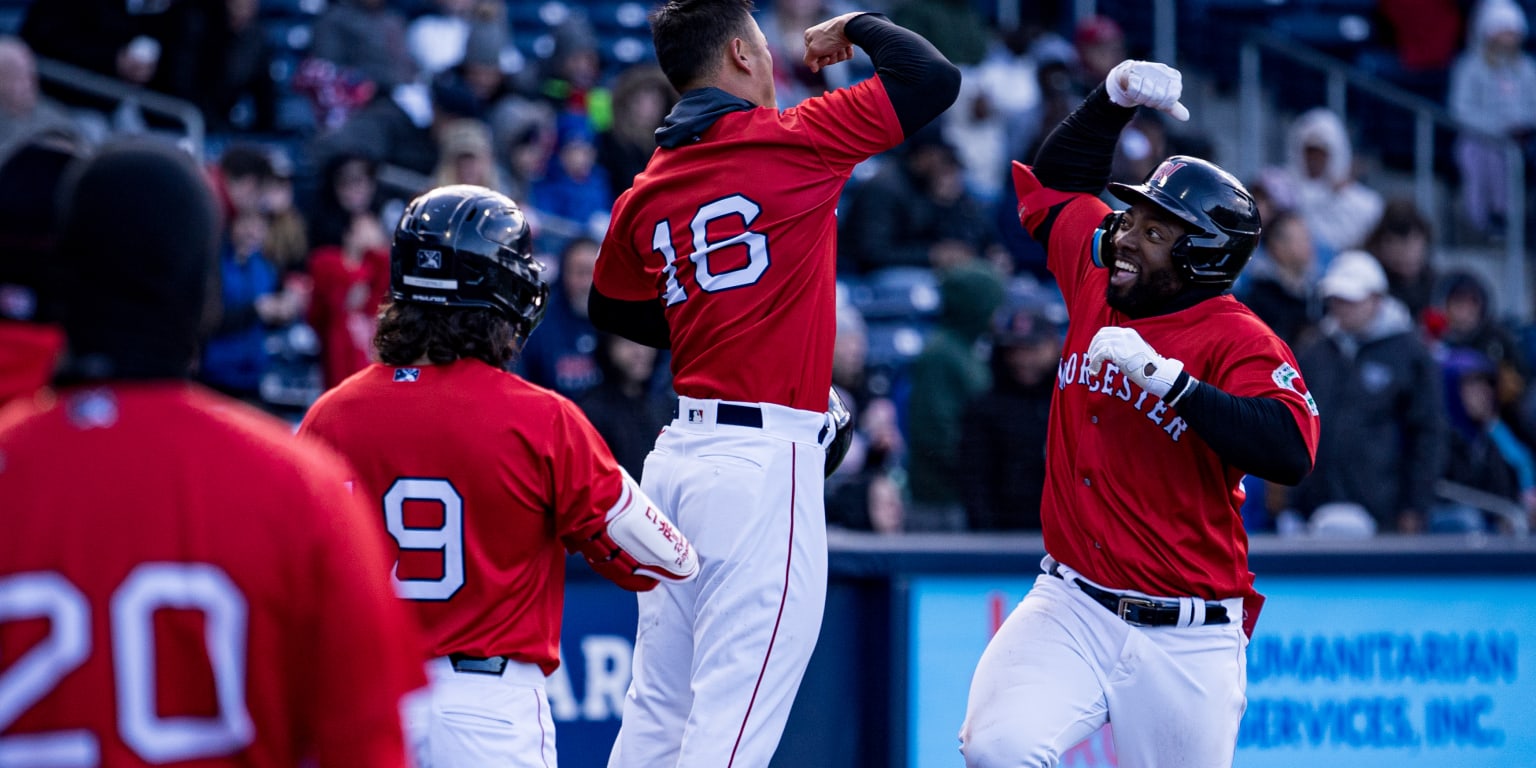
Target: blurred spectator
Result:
[[946, 376], [1142, 145], [24, 113], [1401, 241], [953, 26], [152, 44], [365, 36], [623, 407], [240, 179], [563, 354], [476, 85], [914, 212], [464, 156], [436, 39], [995, 115], [1318, 181], [235, 89], [30, 283], [1383, 421], [1280, 283], [862, 494], [1100, 45], [393, 128], [235, 358], [287, 243], [1482, 452], [1001, 463], [350, 281], [1493, 90], [642, 97], [784, 24], [574, 73], [1470, 324], [1426, 33], [348, 187], [524, 133], [574, 186]]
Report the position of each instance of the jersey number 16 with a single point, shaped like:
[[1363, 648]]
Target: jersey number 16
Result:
[[708, 279]]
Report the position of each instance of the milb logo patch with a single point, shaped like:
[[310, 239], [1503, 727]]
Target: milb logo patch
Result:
[[1289, 378], [407, 374], [429, 259]]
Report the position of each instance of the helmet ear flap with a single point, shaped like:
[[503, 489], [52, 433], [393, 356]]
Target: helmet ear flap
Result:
[[1103, 249]]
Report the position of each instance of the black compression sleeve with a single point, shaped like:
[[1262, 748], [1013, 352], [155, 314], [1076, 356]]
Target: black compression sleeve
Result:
[[1255, 434], [639, 321], [920, 82], [1076, 156]]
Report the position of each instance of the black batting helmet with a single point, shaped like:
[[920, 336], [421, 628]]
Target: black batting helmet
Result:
[[468, 246], [1222, 216]]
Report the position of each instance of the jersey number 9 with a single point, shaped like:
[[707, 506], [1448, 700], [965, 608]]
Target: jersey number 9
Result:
[[447, 538]]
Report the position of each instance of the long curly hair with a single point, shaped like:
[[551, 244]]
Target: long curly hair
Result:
[[408, 332]]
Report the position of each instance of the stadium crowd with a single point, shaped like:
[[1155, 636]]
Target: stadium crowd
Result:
[[324, 118]]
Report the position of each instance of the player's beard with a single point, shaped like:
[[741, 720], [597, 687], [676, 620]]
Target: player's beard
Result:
[[1143, 297]]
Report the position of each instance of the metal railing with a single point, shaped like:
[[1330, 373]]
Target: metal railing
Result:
[[101, 86], [1339, 78]]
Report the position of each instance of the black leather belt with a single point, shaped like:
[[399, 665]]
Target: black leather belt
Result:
[[726, 413], [476, 665], [1142, 611]]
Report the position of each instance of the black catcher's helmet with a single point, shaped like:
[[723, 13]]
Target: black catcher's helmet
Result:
[[842, 421], [468, 246], [1223, 217]]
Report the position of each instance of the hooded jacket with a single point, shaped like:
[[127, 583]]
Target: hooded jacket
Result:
[[1339, 210], [1382, 443], [946, 376]]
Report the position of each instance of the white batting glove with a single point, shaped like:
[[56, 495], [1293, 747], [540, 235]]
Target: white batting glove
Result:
[[1147, 84], [1130, 353]]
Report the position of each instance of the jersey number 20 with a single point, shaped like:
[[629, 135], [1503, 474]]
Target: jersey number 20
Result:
[[709, 280], [149, 588]]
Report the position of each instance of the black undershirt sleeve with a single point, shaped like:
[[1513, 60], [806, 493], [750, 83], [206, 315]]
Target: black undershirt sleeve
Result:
[[920, 82], [1255, 434], [643, 322], [1076, 156]]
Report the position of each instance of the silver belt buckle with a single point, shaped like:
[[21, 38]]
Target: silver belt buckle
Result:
[[1126, 603]]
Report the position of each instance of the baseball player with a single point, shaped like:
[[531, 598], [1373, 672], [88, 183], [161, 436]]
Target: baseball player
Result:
[[481, 478], [724, 251], [1168, 392], [180, 582], [30, 338]]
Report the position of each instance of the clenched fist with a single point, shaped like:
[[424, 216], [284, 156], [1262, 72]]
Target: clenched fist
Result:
[[1147, 84], [1143, 365]]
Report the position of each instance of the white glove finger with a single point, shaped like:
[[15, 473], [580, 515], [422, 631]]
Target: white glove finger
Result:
[[1178, 112]]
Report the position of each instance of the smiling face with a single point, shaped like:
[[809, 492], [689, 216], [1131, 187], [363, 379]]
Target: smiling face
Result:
[[1142, 274]]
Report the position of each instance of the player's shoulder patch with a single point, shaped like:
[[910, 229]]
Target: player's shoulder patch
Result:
[[1287, 377]]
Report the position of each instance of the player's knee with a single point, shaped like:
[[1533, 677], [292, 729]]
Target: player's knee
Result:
[[996, 746]]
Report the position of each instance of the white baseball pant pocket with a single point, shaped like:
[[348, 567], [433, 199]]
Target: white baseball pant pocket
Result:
[[471, 719]]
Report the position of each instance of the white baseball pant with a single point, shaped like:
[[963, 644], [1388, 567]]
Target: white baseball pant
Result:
[[1062, 665], [468, 719], [718, 660]]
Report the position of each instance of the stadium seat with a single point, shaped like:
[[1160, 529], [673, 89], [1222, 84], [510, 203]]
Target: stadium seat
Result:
[[897, 293]]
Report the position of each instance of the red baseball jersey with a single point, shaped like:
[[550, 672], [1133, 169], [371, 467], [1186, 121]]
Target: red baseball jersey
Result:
[[182, 583], [1134, 499], [477, 475], [737, 235], [28, 352]]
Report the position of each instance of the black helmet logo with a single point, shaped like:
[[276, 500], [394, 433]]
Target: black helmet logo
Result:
[[429, 259]]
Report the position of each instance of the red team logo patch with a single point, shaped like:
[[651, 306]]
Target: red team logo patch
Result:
[[1163, 172]]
